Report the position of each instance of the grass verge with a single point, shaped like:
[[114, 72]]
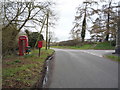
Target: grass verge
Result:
[[104, 45], [23, 71], [113, 57]]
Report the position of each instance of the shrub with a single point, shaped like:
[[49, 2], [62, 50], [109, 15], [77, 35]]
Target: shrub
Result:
[[9, 42]]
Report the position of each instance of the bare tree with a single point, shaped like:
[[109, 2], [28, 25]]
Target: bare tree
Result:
[[21, 12], [84, 12], [105, 24], [107, 12], [16, 15], [46, 47], [97, 30]]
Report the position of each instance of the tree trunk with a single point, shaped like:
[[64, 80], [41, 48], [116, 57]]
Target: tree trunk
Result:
[[47, 32], [108, 28], [49, 43], [83, 28], [107, 37], [108, 22]]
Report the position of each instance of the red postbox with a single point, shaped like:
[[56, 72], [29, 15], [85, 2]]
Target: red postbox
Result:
[[23, 43], [39, 44]]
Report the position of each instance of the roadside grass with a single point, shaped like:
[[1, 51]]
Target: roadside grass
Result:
[[113, 57], [104, 45], [96, 46], [23, 71]]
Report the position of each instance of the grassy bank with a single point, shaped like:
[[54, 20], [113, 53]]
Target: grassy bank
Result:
[[23, 71], [101, 46]]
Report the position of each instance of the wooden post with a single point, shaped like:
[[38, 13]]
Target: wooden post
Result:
[[39, 52]]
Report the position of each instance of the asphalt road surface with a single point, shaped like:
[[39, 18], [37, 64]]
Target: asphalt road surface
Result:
[[83, 69]]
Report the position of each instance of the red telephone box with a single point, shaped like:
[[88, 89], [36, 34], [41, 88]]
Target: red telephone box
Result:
[[23, 43]]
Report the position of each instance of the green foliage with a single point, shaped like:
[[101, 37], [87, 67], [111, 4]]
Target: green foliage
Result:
[[33, 38], [83, 28]]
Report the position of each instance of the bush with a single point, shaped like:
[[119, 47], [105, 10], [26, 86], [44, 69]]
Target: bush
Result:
[[9, 42], [69, 43], [74, 43], [33, 38], [113, 43]]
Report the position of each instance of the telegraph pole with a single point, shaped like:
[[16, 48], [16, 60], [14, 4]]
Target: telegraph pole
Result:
[[47, 30], [117, 50]]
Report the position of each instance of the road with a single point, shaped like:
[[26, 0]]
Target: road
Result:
[[83, 69]]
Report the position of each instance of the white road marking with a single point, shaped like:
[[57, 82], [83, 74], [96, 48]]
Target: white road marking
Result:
[[110, 51], [92, 53]]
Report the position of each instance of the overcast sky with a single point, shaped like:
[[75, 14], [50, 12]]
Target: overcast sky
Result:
[[66, 10]]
